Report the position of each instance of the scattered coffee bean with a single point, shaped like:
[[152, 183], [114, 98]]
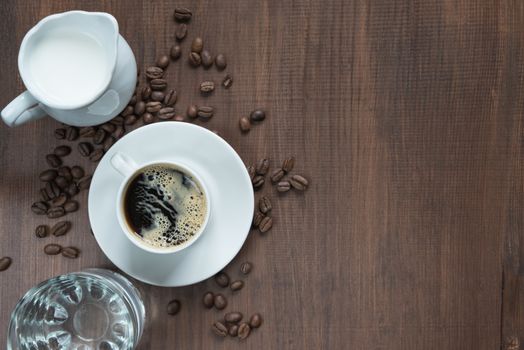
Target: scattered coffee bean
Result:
[[233, 317], [71, 253], [181, 32], [283, 186], [154, 73], [130, 119], [60, 134], [157, 96], [52, 249], [257, 218], [244, 124], [59, 201], [255, 321], [170, 98], [53, 160], [100, 135], [108, 143], [263, 166], [208, 300], [145, 92], [233, 330], [55, 212], [77, 172], [288, 164], [251, 171], [85, 149], [222, 279], [173, 307], [298, 182], [109, 128], [195, 59], [133, 100], [62, 151], [5, 262], [197, 45], [166, 113], [153, 106], [182, 14], [84, 183], [65, 172], [243, 331], [87, 131], [258, 182], [41, 231], [118, 120], [205, 112], [39, 208], [277, 175], [158, 84], [61, 182], [119, 131], [237, 285], [179, 118], [162, 61], [257, 115], [220, 302], [140, 108], [192, 111], [264, 204], [175, 52], [71, 133], [52, 189], [220, 61], [265, 225], [246, 268], [96, 155], [44, 195], [72, 190], [219, 329], [60, 228], [127, 111], [227, 82], [71, 206], [48, 175], [148, 118], [207, 59]]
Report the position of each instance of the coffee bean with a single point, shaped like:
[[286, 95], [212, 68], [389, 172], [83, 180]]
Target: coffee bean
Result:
[[243, 331], [109, 128], [41, 231], [5, 262], [246, 268], [108, 143], [170, 98], [195, 59], [175, 52], [62, 151], [119, 131], [157, 96], [48, 175], [72, 190], [118, 120], [65, 172], [173, 307], [60, 228], [298, 182], [255, 321], [59, 201], [219, 329], [130, 119], [52, 249], [208, 300], [61, 182], [197, 45], [52, 189], [77, 172], [96, 155], [71, 253], [258, 182], [283, 186], [179, 118], [237, 285], [222, 279], [277, 175], [100, 135], [84, 183], [140, 108], [182, 14], [153, 106], [71, 133], [244, 124], [39, 208], [265, 225], [233, 317], [60, 134], [220, 302], [154, 72], [166, 113], [207, 59], [145, 93], [148, 118], [162, 61], [192, 111], [263, 166], [251, 171], [257, 218], [257, 115], [158, 84], [227, 82], [233, 330], [205, 112], [85, 149], [87, 131], [207, 87], [288, 164], [133, 100], [53, 160], [220, 62], [55, 212], [71, 206], [181, 32], [264, 204], [44, 195]]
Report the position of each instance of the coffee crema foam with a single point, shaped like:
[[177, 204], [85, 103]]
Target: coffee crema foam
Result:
[[164, 206]]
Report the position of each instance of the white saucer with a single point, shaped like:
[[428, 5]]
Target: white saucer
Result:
[[230, 195]]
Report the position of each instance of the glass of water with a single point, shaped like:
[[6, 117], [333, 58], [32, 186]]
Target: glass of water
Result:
[[92, 309]]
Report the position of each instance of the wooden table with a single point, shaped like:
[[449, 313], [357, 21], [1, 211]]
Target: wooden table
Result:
[[407, 117]]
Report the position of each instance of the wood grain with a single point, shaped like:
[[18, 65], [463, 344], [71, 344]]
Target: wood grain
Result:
[[407, 118]]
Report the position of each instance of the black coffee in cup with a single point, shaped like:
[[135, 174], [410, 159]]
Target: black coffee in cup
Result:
[[164, 205]]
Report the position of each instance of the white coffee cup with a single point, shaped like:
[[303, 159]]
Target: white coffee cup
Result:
[[128, 168]]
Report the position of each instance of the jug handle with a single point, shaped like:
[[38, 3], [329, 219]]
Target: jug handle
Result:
[[22, 109]]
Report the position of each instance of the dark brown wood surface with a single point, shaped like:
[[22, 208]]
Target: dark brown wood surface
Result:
[[407, 117]]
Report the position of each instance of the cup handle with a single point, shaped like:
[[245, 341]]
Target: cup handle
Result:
[[22, 109], [123, 164]]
